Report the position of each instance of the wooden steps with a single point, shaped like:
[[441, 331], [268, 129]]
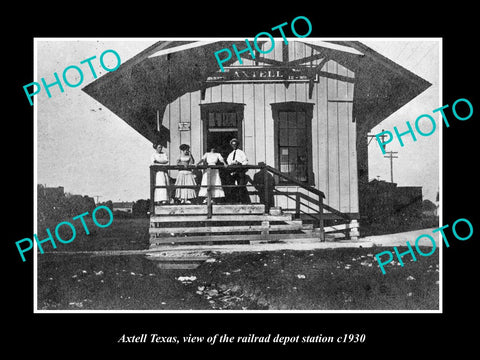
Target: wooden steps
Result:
[[223, 229], [229, 223]]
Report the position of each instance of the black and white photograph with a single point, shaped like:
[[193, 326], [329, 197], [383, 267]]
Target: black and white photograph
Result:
[[191, 180], [255, 183]]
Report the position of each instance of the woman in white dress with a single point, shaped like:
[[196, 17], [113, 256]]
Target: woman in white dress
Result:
[[185, 177], [161, 179], [212, 158]]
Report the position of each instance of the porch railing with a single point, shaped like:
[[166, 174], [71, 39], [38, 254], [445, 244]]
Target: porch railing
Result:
[[267, 187], [208, 168]]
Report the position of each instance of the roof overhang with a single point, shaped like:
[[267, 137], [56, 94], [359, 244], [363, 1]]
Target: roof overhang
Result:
[[141, 88], [381, 86]]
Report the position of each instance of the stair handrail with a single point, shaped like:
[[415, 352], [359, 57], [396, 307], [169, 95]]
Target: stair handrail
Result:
[[325, 207], [295, 181], [311, 189]]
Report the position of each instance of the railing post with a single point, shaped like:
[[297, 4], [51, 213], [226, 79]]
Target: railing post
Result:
[[297, 204], [266, 190], [209, 193], [320, 218], [152, 190]]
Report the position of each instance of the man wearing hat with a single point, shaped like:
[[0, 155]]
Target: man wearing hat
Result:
[[237, 157]]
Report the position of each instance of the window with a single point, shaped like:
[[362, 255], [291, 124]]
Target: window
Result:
[[222, 121], [293, 140]]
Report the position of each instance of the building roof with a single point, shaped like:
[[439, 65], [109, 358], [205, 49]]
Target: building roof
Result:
[[122, 205], [382, 86], [141, 88], [148, 82]]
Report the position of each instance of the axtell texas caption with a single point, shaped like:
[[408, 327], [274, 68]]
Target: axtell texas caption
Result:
[[147, 338]]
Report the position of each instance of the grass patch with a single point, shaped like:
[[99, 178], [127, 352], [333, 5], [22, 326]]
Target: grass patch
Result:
[[122, 234]]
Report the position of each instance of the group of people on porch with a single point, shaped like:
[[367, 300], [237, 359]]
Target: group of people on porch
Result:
[[186, 183]]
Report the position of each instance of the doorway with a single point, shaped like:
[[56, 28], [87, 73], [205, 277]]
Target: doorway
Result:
[[221, 123], [221, 140]]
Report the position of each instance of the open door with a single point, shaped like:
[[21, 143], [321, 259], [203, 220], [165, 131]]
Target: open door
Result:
[[221, 123]]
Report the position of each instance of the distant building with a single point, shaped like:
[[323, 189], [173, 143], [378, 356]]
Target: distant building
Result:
[[52, 193], [408, 199], [123, 206], [386, 199]]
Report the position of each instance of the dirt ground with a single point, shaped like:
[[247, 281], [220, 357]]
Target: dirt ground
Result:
[[335, 279], [284, 279]]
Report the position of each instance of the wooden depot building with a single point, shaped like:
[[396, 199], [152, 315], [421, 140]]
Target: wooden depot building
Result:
[[301, 112]]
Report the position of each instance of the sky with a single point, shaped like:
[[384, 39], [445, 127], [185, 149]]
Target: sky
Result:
[[84, 147], [418, 161]]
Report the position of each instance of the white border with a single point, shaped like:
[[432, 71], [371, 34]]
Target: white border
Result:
[[203, 41], [440, 171], [35, 195]]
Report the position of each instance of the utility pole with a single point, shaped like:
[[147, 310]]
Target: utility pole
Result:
[[391, 157], [381, 136], [97, 196]]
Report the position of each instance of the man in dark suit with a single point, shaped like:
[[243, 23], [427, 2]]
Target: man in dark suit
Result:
[[238, 176]]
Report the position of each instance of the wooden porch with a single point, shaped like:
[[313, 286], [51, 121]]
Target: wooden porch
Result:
[[258, 222]]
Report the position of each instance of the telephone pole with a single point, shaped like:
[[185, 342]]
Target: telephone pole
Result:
[[391, 157], [381, 137]]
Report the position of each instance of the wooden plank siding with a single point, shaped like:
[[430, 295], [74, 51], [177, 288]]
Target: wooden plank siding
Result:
[[334, 162]]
